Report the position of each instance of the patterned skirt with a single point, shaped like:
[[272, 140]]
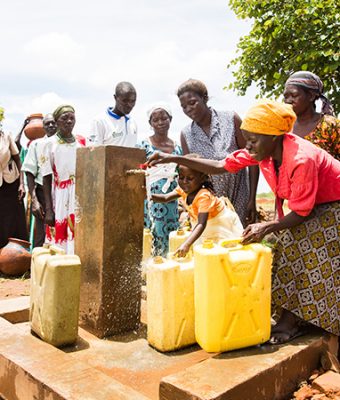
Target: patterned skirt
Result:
[[306, 269]]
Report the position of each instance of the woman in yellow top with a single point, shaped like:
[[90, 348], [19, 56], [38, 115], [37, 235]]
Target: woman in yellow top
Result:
[[210, 217]]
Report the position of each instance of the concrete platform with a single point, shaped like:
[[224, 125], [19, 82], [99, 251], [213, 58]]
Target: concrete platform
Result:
[[126, 367]]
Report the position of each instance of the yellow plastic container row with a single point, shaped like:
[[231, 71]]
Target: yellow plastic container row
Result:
[[232, 295], [55, 291], [170, 303]]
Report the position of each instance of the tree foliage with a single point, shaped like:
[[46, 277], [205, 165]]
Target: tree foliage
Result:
[[288, 36]]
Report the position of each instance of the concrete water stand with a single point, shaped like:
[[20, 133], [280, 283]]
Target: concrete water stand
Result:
[[125, 367]]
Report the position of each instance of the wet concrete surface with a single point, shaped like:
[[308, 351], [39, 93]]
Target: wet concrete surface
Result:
[[127, 361]]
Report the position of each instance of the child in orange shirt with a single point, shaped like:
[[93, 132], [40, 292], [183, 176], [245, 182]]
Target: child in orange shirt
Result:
[[209, 215]]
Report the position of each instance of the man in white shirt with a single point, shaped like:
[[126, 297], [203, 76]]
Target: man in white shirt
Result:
[[116, 127], [35, 180]]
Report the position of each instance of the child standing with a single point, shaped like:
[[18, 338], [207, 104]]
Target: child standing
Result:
[[210, 217]]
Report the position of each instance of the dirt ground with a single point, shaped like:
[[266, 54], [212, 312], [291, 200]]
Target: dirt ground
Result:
[[14, 287]]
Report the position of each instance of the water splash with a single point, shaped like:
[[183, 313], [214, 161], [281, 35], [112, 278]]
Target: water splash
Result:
[[136, 172], [150, 203]]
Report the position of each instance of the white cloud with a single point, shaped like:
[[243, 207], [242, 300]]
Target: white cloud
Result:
[[54, 54], [47, 102], [76, 52], [80, 51], [53, 44]]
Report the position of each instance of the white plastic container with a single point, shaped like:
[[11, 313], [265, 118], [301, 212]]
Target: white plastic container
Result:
[[55, 292], [170, 303]]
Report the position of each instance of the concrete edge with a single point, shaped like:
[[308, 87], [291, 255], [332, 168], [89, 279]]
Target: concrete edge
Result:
[[15, 310], [31, 369], [274, 382]]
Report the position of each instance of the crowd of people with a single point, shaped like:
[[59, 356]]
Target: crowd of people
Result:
[[211, 176]]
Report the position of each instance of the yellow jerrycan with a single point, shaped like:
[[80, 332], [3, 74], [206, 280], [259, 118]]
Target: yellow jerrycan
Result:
[[170, 303], [232, 295], [54, 297], [176, 238], [147, 244]]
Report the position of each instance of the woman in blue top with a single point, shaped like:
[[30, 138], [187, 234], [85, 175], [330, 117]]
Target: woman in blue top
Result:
[[160, 218]]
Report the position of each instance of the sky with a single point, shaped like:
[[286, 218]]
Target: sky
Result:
[[75, 52]]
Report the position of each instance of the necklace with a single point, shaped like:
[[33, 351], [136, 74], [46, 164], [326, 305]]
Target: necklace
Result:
[[62, 139]]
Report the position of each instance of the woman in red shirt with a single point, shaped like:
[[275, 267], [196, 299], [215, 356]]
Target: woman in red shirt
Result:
[[306, 265]]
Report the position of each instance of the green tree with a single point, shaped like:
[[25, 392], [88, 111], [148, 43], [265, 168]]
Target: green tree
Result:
[[288, 36]]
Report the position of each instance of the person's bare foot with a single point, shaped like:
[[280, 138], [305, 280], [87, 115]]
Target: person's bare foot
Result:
[[286, 322], [286, 329]]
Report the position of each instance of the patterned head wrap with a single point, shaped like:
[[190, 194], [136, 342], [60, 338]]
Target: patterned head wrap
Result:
[[311, 81], [269, 117], [158, 106], [61, 110]]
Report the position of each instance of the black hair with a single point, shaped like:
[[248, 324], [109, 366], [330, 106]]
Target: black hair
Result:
[[207, 183], [193, 85], [124, 87]]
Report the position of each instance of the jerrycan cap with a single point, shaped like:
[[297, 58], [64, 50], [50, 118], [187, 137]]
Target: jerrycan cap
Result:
[[186, 226], [208, 244], [147, 230], [158, 260], [180, 231]]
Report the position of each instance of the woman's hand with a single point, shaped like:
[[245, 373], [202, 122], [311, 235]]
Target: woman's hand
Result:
[[255, 232], [21, 192], [37, 209], [157, 158], [182, 251], [50, 218]]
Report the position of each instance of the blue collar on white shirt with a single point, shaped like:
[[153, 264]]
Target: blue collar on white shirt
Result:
[[116, 116]]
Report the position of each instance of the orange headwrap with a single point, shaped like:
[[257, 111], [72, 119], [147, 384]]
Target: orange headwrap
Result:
[[269, 117]]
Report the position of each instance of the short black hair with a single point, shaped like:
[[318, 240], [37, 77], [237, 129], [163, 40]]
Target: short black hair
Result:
[[124, 87]]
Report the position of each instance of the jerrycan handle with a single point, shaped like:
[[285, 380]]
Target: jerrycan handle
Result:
[[231, 244], [56, 250]]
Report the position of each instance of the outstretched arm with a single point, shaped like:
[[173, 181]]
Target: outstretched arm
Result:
[[195, 234], [209, 167], [165, 198]]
